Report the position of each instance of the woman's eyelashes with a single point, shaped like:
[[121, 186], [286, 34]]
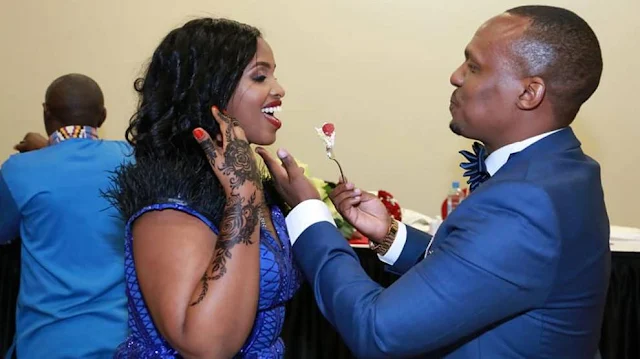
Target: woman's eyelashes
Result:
[[259, 78]]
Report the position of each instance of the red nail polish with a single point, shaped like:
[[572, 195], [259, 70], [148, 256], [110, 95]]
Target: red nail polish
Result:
[[198, 133]]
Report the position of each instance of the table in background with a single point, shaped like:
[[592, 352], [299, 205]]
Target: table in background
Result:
[[9, 283], [309, 336]]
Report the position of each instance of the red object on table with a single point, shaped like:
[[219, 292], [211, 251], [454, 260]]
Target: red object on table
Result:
[[392, 205], [358, 238]]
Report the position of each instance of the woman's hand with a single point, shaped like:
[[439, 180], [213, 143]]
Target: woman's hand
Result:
[[230, 156], [235, 166]]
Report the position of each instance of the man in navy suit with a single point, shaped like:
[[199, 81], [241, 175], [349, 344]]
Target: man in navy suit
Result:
[[520, 269]]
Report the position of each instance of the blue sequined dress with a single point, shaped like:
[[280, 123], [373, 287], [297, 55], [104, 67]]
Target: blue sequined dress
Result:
[[279, 280]]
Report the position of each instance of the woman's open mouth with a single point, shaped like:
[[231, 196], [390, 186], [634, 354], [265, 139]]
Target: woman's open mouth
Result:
[[269, 113]]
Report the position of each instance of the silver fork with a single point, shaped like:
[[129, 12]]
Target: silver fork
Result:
[[333, 158]]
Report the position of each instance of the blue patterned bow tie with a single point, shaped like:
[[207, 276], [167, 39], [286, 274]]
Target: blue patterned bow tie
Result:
[[475, 169]]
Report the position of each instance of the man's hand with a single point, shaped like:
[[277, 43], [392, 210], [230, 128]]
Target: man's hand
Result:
[[362, 210], [31, 141], [289, 178]]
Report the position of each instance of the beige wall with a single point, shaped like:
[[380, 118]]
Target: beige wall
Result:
[[379, 69]]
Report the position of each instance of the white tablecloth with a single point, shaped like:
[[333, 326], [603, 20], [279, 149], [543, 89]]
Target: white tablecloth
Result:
[[623, 239]]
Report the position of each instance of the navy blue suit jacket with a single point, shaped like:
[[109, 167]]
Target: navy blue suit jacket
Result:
[[519, 270]]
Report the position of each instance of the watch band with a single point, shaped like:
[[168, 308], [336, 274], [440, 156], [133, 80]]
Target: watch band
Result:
[[383, 247]]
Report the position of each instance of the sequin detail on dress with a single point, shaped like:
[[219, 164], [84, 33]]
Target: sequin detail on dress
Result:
[[279, 280]]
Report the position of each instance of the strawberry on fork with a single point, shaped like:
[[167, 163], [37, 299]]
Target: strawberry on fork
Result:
[[328, 135]]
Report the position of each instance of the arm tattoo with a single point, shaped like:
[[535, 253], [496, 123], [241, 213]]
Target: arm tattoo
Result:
[[238, 224], [241, 215], [240, 219]]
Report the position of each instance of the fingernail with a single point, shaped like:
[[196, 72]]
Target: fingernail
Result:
[[357, 191], [282, 154], [198, 133], [215, 108]]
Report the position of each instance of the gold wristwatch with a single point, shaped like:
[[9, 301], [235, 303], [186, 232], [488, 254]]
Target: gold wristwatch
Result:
[[382, 248]]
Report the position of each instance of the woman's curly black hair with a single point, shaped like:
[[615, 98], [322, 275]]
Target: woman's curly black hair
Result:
[[195, 67]]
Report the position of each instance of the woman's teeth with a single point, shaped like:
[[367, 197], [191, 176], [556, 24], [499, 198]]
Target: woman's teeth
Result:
[[272, 110]]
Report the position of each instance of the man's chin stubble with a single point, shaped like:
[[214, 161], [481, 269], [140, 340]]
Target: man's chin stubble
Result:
[[455, 128]]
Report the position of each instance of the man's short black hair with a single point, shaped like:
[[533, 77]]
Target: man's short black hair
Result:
[[561, 48]]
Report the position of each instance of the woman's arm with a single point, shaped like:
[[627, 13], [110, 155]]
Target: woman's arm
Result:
[[202, 316]]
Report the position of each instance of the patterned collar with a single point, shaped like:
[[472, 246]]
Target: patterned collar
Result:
[[68, 132]]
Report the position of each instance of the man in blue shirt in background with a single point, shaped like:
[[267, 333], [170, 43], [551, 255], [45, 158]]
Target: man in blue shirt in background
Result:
[[72, 301]]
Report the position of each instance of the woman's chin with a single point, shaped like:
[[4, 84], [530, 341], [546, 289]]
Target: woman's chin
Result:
[[264, 140]]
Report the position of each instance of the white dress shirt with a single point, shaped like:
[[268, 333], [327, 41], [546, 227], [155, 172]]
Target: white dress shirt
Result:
[[313, 211]]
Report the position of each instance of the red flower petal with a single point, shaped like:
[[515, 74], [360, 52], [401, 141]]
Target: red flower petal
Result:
[[393, 208]]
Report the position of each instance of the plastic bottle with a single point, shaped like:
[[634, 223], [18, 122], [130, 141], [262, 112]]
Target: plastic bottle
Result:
[[454, 197]]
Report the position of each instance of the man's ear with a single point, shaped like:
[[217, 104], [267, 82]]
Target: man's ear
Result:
[[50, 122], [533, 93], [103, 116]]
